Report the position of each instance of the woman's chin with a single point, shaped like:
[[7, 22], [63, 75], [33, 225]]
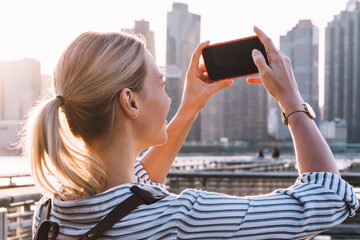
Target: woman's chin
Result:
[[158, 142]]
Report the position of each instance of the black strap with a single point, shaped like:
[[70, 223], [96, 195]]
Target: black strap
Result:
[[138, 197], [44, 229], [45, 211], [46, 225]]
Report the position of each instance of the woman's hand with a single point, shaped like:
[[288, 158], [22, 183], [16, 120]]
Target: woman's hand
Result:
[[277, 77], [312, 152], [198, 87]]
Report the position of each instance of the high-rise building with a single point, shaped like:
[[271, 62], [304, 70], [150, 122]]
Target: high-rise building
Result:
[[238, 113], [143, 28], [301, 45], [9, 136], [213, 118], [245, 111], [20, 86], [2, 89], [342, 75], [183, 36], [173, 75]]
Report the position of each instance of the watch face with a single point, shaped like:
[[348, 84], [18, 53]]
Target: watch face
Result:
[[310, 111]]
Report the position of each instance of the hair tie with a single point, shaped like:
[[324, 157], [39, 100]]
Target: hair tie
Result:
[[62, 100]]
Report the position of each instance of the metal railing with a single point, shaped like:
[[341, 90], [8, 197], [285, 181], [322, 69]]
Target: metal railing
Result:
[[239, 183], [16, 212], [16, 180]]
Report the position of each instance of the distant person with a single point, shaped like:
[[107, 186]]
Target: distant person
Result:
[[275, 153], [109, 104], [260, 154]]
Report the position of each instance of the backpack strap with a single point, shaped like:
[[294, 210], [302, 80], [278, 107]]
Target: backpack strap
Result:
[[46, 225], [138, 197]]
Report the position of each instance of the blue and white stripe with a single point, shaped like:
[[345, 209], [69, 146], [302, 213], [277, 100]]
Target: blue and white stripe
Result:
[[143, 177], [316, 202]]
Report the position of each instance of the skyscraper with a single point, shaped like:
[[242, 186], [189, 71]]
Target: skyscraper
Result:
[[20, 86], [213, 118], [301, 45], [342, 72], [238, 113], [183, 35], [245, 112], [2, 94], [143, 28]]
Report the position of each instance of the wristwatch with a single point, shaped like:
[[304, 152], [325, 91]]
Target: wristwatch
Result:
[[300, 108]]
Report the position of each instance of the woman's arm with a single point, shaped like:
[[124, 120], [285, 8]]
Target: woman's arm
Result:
[[317, 202], [158, 160], [312, 152]]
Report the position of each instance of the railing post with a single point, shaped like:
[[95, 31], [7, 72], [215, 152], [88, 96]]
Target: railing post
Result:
[[3, 223]]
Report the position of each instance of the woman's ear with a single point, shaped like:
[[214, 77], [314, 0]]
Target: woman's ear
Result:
[[129, 103]]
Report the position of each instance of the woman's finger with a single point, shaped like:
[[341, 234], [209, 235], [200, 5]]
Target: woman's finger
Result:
[[254, 80], [205, 78], [268, 43], [203, 67], [197, 53], [218, 85], [201, 70], [259, 61]]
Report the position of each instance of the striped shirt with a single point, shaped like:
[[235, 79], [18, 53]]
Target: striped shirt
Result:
[[316, 202]]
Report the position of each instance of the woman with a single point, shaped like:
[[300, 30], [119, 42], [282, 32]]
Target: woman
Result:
[[275, 153], [111, 105], [260, 154]]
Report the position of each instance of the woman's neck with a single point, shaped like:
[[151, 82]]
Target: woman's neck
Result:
[[118, 154]]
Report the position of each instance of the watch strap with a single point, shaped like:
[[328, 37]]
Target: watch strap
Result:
[[291, 110]]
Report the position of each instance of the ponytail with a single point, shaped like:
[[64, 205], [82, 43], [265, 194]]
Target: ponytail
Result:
[[60, 163]]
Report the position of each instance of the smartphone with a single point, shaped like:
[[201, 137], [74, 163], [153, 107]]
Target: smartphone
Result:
[[233, 58]]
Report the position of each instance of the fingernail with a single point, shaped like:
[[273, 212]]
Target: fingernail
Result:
[[255, 52], [229, 82]]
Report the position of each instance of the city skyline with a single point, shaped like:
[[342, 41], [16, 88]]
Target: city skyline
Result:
[[342, 78], [42, 29]]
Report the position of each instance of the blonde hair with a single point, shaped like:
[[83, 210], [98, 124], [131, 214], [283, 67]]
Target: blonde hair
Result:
[[90, 74]]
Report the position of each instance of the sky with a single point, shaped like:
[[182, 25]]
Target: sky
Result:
[[41, 29]]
